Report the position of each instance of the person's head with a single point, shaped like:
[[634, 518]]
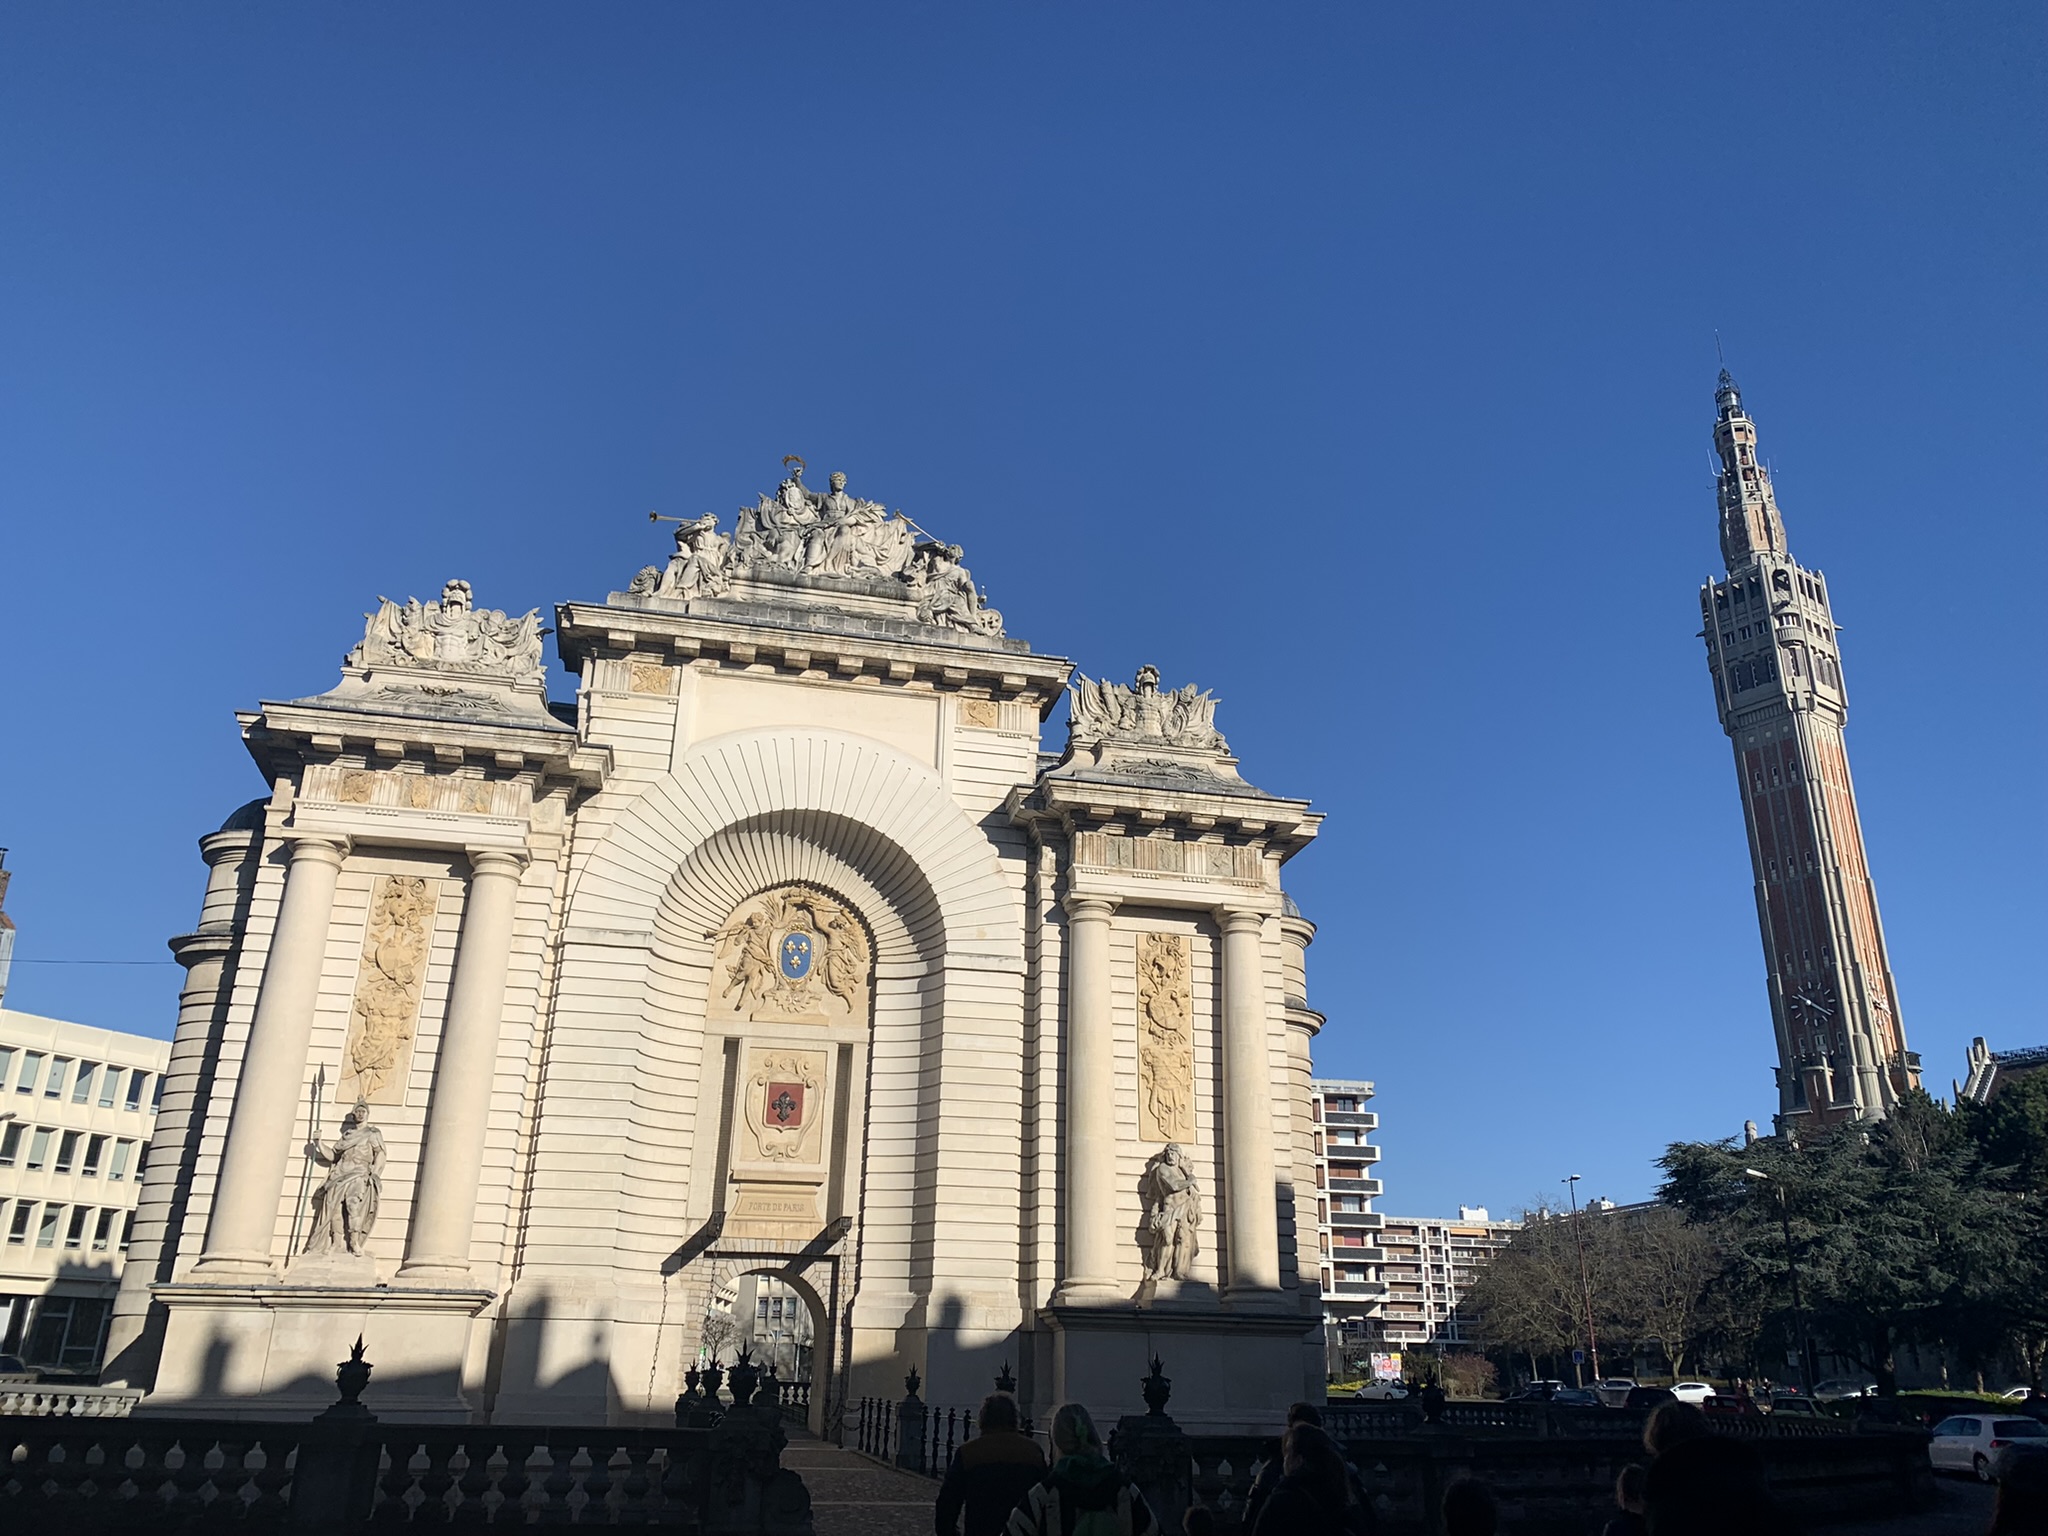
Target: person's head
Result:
[[838, 480], [1705, 1486], [1628, 1488], [1304, 1413], [1200, 1520], [1311, 1457], [2022, 1494], [1073, 1432], [1469, 1509], [998, 1411], [1672, 1424]]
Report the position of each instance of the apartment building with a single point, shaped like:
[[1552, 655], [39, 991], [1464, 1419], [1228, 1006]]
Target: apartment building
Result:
[[1346, 1225], [1429, 1264], [77, 1106]]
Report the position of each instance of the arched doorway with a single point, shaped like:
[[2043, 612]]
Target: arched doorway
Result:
[[771, 1308]]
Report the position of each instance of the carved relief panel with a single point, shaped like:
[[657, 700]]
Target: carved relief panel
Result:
[[384, 1017], [791, 956], [1166, 1039]]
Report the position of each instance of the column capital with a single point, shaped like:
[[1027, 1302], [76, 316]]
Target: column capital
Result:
[[318, 848], [1240, 920], [497, 861], [1089, 905]]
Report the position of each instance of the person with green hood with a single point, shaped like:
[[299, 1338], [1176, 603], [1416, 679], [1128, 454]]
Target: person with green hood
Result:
[[1084, 1494]]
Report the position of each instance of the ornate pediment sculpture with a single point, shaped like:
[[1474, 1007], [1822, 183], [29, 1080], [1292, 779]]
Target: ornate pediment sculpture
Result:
[[1105, 711], [451, 635], [802, 532]]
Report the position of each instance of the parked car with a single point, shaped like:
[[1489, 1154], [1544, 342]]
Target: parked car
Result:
[[1969, 1441], [1648, 1397], [1576, 1397], [1536, 1392], [1729, 1403], [1382, 1392], [1834, 1390], [1613, 1391], [1694, 1392], [2017, 1394], [1793, 1404]]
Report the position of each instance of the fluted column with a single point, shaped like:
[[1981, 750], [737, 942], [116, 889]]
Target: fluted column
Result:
[[252, 1168], [444, 1201], [1252, 1252], [1089, 1160]]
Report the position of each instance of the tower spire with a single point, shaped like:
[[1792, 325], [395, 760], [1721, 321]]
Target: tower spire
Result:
[[1777, 678], [1750, 525]]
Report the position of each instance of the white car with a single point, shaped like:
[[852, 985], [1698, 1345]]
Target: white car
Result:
[[1970, 1442], [1382, 1392], [1694, 1392]]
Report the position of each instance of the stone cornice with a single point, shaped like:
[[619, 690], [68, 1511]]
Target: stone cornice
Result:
[[1077, 804], [283, 737], [590, 630]]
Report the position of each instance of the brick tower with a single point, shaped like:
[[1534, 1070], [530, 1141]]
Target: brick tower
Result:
[[1778, 684]]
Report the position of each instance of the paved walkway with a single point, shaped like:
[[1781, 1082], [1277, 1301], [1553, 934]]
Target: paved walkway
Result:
[[852, 1495], [1962, 1507]]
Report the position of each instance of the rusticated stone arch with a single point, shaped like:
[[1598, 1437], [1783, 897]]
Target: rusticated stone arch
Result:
[[630, 1099], [735, 780]]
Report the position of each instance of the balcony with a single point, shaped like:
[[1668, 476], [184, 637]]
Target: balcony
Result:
[[1357, 1219], [1347, 1289], [1367, 1187], [1363, 1119]]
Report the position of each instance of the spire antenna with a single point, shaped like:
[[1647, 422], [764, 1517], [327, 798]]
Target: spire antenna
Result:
[[1719, 356]]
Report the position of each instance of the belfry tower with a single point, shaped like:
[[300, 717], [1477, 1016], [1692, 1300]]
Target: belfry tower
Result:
[[1778, 684]]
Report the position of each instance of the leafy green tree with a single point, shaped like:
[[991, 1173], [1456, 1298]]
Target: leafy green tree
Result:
[[1897, 1232]]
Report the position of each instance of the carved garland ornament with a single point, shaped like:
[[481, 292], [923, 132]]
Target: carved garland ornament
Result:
[[387, 1002], [1166, 1039]]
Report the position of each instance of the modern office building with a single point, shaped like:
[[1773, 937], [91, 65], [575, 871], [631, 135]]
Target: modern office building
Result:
[[1347, 1227], [77, 1106], [1430, 1263]]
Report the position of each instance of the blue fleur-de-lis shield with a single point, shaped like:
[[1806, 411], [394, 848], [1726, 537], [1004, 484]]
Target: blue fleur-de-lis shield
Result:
[[796, 956]]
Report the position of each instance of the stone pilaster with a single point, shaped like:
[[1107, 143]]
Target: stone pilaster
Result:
[[1252, 1251], [252, 1173], [1089, 1160], [444, 1204]]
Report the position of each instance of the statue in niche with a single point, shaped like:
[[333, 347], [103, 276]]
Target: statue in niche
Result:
[[945, 590], [1173, 1215], [347, 1202], [1106, 711], [450, 635]]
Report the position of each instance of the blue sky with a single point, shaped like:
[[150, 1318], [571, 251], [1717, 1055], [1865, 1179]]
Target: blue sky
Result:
[[1353, 361]]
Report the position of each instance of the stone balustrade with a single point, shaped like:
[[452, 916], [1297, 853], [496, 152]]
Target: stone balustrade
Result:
[[68, 1402]]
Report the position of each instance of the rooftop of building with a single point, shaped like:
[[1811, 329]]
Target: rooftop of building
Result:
[[33, 1032]]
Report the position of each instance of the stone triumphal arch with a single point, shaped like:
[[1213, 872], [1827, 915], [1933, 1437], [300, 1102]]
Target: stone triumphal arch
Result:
[[514, 1029]]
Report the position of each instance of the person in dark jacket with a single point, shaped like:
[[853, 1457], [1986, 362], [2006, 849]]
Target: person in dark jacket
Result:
[[1315, 1494], [1084, 1494], [989, 1474], [1628, 1497], [1708, 1486], [1469, 1509]]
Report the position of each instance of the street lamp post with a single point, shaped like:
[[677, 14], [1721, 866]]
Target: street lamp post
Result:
[[1571, 1185], [1792, 1274]]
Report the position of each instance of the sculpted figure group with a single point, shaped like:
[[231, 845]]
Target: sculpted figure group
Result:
[[822, 533], [450, 635], [1183, 717]]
